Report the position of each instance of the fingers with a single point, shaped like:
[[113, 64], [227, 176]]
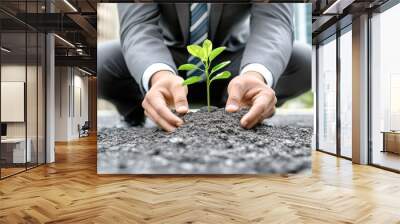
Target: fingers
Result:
[[263, 107], [166, 90], [269, 113], [254, 115], [180, 101], [157, 109], [158, 120], [235, 95]]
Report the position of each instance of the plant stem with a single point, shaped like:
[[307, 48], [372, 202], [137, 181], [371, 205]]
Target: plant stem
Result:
[[208, 86]]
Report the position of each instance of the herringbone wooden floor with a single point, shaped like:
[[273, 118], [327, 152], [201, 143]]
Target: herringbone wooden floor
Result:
[[70, 191]]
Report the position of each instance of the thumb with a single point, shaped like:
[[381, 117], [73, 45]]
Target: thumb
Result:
[[180, 101], [235, 94]]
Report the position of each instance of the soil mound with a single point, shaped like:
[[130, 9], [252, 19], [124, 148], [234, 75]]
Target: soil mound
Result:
[[207, 143]]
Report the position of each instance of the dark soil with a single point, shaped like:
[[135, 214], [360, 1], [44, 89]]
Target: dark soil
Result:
[[208, 143]]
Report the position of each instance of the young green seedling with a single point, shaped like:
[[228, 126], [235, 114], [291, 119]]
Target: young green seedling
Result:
[[206, 55]]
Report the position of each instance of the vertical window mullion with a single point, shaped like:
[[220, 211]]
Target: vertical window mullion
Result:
[[26, 85], [338, 80], [316, 96], [37, 88]]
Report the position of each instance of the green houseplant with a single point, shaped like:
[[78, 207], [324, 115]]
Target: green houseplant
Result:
[[206, 54]]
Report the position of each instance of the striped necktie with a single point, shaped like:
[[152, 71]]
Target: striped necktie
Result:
[[198, 32]]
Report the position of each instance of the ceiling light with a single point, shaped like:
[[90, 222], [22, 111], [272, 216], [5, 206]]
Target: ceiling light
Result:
[[70, 5], [84, 71], [5, 50], [80, 51], [337, 7], [65, 41]]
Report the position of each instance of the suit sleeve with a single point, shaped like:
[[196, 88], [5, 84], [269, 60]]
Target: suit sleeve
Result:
[[142, 43], [271, 37]]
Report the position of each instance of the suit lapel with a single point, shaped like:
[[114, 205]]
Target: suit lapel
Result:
[[183, 12], [215, 15]]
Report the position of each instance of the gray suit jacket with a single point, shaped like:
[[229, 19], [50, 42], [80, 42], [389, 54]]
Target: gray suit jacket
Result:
[[148, 29]]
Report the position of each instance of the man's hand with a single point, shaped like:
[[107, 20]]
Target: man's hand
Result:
[[251, 90], [166, 91]]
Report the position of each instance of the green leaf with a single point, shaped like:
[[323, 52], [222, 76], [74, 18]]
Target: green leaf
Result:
[[187, 67], [197, 51], [214, 53], [192, 80], [219, 66], [207, 47], [222, 75]]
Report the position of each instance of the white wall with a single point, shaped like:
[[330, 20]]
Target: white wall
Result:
[[71, 102], [61, 103], [80, 105]]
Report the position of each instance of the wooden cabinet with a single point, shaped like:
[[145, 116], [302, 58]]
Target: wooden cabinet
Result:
[[391, 142]]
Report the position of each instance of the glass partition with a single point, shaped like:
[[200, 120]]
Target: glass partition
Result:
[[31, 97], [327, 95], [35, 50], [22, 77], [14, 153]]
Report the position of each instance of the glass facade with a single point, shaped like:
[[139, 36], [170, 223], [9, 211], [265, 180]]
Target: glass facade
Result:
[[346, 92], [385, 89], [327, 95], [334, 63], [335, 93], [22, 79]]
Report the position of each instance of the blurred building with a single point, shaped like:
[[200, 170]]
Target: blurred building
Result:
[[107, 22], [302, 22]]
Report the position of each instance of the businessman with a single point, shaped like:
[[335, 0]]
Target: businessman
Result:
[[138, 73]]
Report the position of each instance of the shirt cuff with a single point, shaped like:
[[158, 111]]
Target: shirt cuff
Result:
[[151, 70], [255, 67]]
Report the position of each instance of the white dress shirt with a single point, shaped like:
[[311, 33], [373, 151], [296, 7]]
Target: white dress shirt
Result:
[[254, 67]]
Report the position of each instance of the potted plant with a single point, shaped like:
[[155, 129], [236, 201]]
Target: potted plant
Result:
[[206, 54]]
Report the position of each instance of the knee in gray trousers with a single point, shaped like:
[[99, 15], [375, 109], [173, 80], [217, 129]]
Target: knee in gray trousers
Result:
[[115, 82], [296, 79]]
